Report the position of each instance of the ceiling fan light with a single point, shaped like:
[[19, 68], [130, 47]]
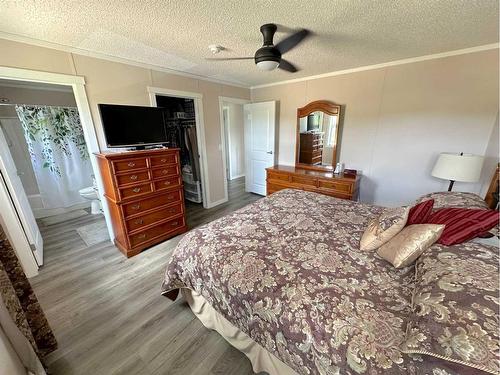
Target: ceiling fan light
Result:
[[268, 65]]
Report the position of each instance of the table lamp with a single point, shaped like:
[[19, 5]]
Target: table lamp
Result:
[[458, 167]]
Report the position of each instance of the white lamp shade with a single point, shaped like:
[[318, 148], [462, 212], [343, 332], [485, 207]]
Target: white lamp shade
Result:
[[456, 167]]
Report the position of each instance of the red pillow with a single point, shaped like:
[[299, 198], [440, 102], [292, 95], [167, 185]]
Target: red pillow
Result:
[[462, 224], [419, 214]]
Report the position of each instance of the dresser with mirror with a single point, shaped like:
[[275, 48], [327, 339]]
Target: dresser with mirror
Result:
[[317, 140]]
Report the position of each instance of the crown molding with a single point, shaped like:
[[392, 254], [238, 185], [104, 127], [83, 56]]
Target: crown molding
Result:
[[441, 55], [103, 56], [122, 60]]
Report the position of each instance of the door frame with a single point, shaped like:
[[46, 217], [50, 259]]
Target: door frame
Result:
[[227, 99], [227, 140], [200, 133], [77, 83]]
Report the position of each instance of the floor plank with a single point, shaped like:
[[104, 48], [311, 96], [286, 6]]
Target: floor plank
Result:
[[107, 313]]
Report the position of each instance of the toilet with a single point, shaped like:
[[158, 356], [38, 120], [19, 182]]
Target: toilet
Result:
[[90, 193]]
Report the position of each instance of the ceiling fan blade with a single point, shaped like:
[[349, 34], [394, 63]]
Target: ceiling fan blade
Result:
[[228, 58], [293, 40], [287, 66]]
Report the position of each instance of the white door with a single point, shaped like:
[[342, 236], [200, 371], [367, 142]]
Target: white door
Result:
[[20, 200], [260, 127]]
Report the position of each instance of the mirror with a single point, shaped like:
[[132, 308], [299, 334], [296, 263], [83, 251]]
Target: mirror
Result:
[[317, 133]]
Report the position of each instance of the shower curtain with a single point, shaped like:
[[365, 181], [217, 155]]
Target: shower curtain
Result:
[[58, 153]]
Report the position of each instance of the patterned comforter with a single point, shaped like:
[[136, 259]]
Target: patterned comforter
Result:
[[287, 271]]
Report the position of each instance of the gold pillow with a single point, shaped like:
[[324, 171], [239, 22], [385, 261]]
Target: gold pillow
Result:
[[383, 228], [410, 243]]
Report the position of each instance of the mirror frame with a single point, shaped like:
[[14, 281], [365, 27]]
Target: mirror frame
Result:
[[325, 107]]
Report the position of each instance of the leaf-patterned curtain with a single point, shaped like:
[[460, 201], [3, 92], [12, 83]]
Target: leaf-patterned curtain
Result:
[[58, 153]]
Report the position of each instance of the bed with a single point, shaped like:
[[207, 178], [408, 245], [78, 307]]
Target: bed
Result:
[[284, 281]]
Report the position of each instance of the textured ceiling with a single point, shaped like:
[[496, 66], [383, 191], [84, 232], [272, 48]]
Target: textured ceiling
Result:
[[176, 34]]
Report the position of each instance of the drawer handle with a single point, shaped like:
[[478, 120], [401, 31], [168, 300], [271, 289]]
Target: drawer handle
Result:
[[131, 164], [174, 223], [136, 206], [164, 171], [170, 197], [133, 177], [140, 221], [163, 160], [171, 211], [167, 182], [136, 190], [141, 236]]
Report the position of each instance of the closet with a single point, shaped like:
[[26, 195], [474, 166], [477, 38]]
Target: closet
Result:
[[180, 123]]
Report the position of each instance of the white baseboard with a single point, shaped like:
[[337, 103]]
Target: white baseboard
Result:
[[216, 203], [237, 176]]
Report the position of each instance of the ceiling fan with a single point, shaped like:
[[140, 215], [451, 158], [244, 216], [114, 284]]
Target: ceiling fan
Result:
[[268, 57]]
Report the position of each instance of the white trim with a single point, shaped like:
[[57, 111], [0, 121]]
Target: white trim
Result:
[[216, 203], [14, 230], [35, 87], [117, 59], [226, 99], [237, 176], [223, 142], [27, 75], [410, 60], [103, 56], [200, 132], [77, 84]]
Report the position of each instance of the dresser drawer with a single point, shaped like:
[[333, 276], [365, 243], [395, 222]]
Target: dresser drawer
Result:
[[278, 176], [167, 183], [135, 208], [135, 191], [156, 231], [169, 158], [131, 178], [272, 188], [304, 180], [153, 217], [342, 187], [166, 171], [129, 164]]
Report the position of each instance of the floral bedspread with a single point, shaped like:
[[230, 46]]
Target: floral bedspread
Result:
[[287, 271]]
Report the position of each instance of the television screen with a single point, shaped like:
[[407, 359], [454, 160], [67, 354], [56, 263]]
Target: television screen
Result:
[[135, 126], [312, 122]]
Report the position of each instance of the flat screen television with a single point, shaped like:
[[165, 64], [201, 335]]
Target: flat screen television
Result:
[[132, 126], [312, 123]]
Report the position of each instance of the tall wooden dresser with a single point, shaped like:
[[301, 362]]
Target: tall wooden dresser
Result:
[[311, 148], [145, 197]]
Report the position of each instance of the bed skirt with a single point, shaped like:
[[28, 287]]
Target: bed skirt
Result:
[[260, 358]]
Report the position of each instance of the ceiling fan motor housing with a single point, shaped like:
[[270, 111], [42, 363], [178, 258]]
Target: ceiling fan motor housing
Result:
[[268, 52]]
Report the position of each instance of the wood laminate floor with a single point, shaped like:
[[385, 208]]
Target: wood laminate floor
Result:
[[107, 312]]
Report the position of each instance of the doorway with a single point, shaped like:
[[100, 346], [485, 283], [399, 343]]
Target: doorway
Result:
[[45, 159], [233, 144]]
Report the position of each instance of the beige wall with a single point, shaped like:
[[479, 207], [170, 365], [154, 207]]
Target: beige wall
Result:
[[398, 119], [110, 82]]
